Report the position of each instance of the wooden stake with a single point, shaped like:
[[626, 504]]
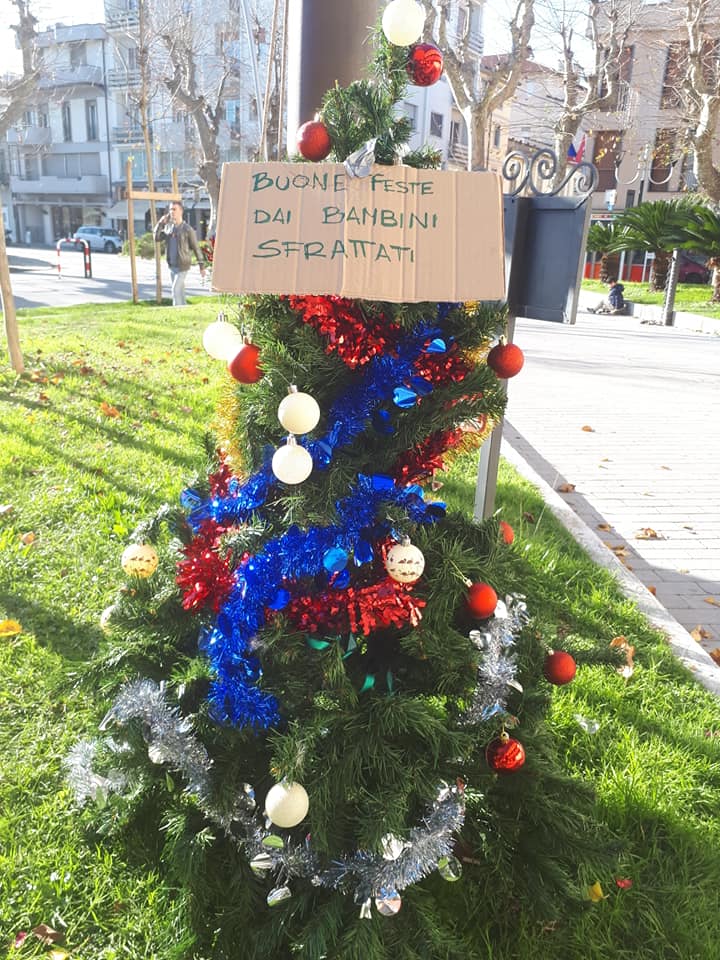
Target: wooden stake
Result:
[[131, 230], [8, 305]]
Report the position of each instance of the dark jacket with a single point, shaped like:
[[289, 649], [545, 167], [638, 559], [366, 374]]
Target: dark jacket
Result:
[[615, 296], [186, 243]]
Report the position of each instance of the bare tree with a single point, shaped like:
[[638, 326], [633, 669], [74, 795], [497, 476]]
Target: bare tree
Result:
[[15, 97], [598, 32], [480, 85], [701, 86]]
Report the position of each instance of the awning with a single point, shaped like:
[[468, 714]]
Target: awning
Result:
[[119, 210]]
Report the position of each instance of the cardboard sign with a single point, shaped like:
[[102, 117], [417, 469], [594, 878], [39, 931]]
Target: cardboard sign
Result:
[[399, 234]]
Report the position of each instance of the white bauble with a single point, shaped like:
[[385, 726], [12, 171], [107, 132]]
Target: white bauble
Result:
[[222, 340], [292, 463], [299, 413], [404, 562], [139, 560], [287, 804], [403, 22]]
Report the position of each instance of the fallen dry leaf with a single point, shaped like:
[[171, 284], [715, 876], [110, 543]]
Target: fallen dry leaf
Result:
[[28, 538], [713, 601], [652, 590], [604, 526], [588, 429], [628, 668], [529, 517], [43, 398], [666, 468], [700, 633], [108, 410], [647, 533], [5, 508], [606, 460], [566, 487], [46, 934], [10, 628], [715, 654]]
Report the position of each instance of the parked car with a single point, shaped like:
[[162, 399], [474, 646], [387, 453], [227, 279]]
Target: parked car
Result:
[[692, 269], [100, 238]]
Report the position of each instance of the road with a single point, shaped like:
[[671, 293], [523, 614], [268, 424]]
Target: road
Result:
[[630, 415], [35, 283]]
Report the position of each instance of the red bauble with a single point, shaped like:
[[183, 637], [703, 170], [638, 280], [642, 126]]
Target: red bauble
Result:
[[505, 754], [481, 600], [313, 140], [506, 359], [559, 667], [506, 532], [424, 64], [244, 365]]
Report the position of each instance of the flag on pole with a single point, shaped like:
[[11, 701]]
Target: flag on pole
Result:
[[575, 154]]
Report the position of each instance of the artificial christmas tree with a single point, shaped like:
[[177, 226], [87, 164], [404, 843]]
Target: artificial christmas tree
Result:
[[320, 770]]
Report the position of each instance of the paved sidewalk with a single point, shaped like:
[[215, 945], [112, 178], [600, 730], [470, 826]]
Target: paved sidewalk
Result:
[[649, 466]]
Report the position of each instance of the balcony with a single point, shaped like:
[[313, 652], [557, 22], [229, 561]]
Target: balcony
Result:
[[130, 134], [124, 77], [86, 73], [458, 153], [63, 186], [32, 136], [120, 19]]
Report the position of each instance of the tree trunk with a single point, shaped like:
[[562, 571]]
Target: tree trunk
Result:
[[714, 263], [476, 118], [659, 272], [8, 305], [707, 173], [609, 264]]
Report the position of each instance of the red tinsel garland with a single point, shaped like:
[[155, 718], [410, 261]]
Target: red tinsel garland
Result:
[[220, 480], [354, 336], [359, 609], [204, 576]]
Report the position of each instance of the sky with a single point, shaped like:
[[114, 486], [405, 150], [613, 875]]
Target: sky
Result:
[[48, 12]]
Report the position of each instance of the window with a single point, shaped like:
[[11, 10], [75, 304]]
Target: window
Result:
[[32, 170], [662, 161], [67, 123], [675, 70], [78, 54], [462, 21], [618, 99], [630, 198], [132, 61], [497, 134], [71, 166], [91, 119], [606, 153], [43, 117], [410, 110], [436, 124], [232, 112], [28, 118]]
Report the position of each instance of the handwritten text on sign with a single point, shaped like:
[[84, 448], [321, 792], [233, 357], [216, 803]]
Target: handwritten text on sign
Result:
[[399, 234]]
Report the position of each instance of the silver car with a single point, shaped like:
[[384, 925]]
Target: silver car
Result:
[[100, 238]]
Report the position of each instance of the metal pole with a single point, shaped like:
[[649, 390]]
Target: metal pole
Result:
[[131, 230], [327, 42], [253, 62]]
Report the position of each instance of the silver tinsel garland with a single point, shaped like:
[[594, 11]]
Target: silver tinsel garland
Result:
[[364, 874], [497, 668]]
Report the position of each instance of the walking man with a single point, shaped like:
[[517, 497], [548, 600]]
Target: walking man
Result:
[[181, 243]]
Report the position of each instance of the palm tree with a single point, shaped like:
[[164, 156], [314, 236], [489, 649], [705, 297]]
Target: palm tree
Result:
[[657, 227], [607, 240], [703, 235]]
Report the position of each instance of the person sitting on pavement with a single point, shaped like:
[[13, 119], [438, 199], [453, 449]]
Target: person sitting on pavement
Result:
[[181, 243], [614, 302]]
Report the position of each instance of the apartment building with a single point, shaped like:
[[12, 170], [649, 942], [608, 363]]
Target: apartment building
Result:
[[638, 140]]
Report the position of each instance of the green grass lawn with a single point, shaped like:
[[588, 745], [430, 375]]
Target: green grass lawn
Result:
[[690, 297], [107, 425]]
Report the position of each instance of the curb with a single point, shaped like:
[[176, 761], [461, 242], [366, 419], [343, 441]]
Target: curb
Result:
[[687, 651], [649, 313]]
